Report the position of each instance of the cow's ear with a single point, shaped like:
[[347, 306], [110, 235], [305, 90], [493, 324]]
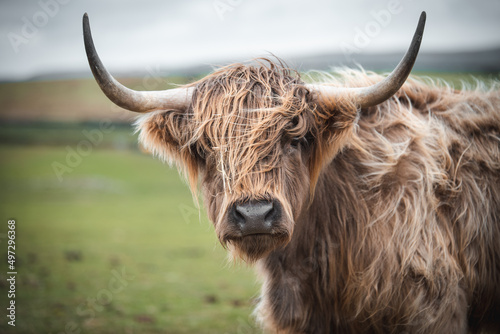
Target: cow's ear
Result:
[[168, 135], [336, 120]]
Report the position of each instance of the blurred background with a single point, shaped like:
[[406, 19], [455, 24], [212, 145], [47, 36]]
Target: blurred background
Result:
[[108, 239]]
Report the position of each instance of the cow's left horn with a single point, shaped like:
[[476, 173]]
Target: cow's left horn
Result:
[[381, 91], [138, 101]]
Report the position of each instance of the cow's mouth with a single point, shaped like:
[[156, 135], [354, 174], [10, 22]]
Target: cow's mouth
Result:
[[252, 247]]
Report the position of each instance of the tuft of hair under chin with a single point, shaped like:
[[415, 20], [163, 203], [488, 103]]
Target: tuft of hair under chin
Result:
[[252, 248]]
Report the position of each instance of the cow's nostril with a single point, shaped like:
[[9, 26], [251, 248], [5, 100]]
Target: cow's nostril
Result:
[[238, 216], [270, 214]]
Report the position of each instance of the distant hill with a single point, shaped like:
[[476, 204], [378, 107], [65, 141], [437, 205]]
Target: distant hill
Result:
[[81, 100], [471, 61]]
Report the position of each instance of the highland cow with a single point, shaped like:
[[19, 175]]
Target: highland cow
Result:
[[369, 204]]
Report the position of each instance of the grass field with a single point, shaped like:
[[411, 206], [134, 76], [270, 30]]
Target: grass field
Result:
[[115, 243], [118, 213]]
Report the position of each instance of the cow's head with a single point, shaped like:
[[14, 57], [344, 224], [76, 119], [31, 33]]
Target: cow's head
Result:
[[254, 135]]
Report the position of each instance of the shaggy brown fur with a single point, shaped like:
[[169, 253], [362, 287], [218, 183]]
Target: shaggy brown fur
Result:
[[391, 217]]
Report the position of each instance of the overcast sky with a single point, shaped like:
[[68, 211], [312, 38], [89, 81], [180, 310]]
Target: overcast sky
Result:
[[45, 36]]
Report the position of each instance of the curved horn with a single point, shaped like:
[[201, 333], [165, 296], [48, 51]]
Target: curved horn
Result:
[[381, 91], [138, 101]]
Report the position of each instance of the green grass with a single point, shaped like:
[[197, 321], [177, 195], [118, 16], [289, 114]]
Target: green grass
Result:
[[117, 210], [119, 136]]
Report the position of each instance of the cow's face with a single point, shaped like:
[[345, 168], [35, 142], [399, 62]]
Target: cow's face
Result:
[[254, 138], [255, 178], [255, 134]]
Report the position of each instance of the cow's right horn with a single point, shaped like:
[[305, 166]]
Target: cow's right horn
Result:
[[138, 101], [369, 96]]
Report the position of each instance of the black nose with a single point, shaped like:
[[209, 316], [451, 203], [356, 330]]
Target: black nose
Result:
[[255, 217]]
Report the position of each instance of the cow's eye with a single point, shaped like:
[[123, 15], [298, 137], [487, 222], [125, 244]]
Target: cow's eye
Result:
[[200, 151], [297, 142]]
